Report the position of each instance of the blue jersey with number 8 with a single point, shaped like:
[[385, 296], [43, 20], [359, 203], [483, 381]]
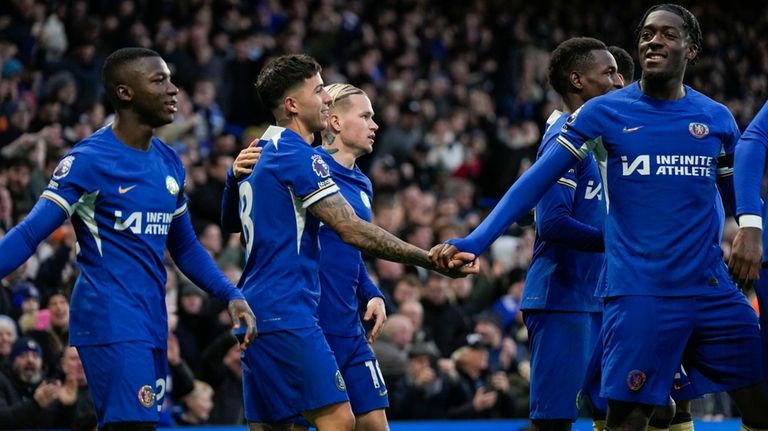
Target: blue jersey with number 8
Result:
[[280, 279]]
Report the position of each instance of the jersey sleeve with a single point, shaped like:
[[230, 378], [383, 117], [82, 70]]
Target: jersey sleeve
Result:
[[749, 163], [181, 203], [582, 129], [309, 175], [72, 178], [555, 222]]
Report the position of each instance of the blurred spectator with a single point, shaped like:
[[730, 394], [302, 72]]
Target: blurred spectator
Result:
[[423, 392], [8, 336], [26, 401], [481, 394], [391, 349], [54, 337], [223, 370], [197, 405], [445, 322]]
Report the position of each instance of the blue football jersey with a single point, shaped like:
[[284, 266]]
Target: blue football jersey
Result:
[[341, 264], [280, 280], [561, 277], [122, 201], [662, 231]]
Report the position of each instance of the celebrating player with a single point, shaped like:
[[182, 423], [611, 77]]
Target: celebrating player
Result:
[[290, 369], [664, 144], [567, 257], [123, 189]]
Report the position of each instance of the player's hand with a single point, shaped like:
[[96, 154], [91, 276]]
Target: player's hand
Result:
[[447, 256], [246, 160], [375, 309], [461, 264], [240, 311], [746, 256]]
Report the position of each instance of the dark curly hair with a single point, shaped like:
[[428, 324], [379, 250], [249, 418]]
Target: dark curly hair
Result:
[[281, 74]]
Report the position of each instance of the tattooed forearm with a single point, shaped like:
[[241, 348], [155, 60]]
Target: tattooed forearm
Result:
[[335, 212]]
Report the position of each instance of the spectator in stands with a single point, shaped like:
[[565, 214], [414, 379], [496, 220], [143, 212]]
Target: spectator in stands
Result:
[[8, 336], [26, 400]]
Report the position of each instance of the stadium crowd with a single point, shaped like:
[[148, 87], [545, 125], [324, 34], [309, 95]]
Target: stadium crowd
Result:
[[461, 98]]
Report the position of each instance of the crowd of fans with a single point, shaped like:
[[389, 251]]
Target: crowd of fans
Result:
[[460, 95]]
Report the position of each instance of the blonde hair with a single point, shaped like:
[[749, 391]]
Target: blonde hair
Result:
[[340, 92]]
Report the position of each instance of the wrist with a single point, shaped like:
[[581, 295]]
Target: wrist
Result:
[[751, 220]]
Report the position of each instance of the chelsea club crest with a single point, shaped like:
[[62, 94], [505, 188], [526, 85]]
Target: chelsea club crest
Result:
[[171, 185]]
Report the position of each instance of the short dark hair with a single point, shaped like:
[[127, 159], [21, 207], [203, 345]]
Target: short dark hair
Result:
[[572, 55], [690, 23], [625, 65], [113, 64], [281, 74]]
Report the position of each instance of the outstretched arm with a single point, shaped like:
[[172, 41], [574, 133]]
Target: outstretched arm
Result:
[[21, 241], [517, 201], [337, 214]]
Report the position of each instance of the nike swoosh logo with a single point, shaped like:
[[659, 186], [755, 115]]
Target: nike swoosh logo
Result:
[[123, 190], [382, 393], [631, 129]]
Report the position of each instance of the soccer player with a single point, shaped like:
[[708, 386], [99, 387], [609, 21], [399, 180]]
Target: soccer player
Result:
[[343, 276], [747, 252], [290, 369], [122, 188], [567, 256], [624, 64], [661, 142]]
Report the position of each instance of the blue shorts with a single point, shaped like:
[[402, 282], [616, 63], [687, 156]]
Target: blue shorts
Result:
[[289, 372], [360, 369], [126, 380], [561, 346], [643, 348]]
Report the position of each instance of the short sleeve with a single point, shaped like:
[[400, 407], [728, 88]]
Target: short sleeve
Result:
[[309, 175], [581, 129], [72, 178]]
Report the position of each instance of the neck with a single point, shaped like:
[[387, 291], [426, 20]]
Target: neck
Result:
[[292, 123], [131, 131], [343, 156], [572, 102], [663, 89]]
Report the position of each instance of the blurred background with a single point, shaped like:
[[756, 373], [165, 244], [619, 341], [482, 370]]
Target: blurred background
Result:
[[461, 98]]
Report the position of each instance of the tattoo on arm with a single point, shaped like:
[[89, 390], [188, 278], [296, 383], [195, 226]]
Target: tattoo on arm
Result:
[[335, 212]]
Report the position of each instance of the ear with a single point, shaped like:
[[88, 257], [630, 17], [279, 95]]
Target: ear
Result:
[[335, 123], [290, 106], [124, 92], [575, 79], [692, 52]]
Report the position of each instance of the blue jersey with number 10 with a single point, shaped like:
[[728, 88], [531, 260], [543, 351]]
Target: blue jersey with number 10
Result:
[[280, 279], [662, 230], [343, 276]]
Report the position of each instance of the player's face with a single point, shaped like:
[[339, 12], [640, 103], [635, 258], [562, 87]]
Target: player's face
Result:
[[358, 129], [601, 77], [311, 102], [664, 46], [154, 97]]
